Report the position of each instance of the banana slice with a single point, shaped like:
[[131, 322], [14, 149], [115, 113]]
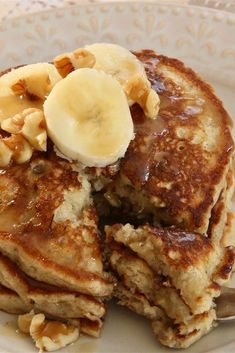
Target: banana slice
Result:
[[129, 71], [88, 118], [36, 80], [116, 61]]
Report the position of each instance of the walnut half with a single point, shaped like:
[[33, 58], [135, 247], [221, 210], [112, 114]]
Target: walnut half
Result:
[[31, 124], [139, 90], [14, 148], [48, 335], [68, 62]]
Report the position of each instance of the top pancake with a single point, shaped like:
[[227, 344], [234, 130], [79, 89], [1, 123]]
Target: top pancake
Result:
[[179, 161]]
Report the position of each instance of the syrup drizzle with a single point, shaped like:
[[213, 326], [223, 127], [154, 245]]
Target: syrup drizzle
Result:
[[11, 105]]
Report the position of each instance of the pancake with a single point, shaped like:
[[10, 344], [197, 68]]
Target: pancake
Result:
[[172, 276], [49, 299], [176, 166], [11, 303], [228, 237], [169, 276], [176, 172]]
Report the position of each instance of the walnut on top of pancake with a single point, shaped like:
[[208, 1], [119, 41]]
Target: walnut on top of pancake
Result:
[[23, 91], [28, 133]]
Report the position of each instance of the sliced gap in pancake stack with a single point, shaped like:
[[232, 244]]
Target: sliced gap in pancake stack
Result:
[[169, 276]]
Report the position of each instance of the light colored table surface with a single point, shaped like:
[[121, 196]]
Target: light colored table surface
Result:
[[14, 8]]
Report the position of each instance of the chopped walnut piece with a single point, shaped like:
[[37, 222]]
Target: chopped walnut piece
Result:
[[152, 104], [21, 149], [48, 335], [24, 321], [31, 124], [63, 64], [51, 335], [13, 125], [38, 85], [83, 58], [139, 90], [68, 62], [19, 87]]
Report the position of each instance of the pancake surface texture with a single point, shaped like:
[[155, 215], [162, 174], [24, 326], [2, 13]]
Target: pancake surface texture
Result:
[[177, 164]]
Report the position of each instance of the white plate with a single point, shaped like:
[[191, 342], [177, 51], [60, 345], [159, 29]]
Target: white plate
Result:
[[204, 39]]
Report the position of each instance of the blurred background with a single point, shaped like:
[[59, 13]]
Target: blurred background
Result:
[[14, 8]]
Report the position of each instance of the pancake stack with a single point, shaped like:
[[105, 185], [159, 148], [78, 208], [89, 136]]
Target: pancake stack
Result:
[[154, 230], [177, 172]]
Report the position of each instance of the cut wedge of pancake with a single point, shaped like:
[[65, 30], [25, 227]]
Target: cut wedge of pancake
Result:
[[171, 277]]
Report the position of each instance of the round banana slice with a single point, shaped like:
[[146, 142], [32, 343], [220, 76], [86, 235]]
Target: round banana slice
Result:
[[36, 80], [88, 118], [116, 61], [129, 71]]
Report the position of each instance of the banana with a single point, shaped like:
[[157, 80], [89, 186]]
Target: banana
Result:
[[35, 80], [88, 118], [129, 71], [118, 62]]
